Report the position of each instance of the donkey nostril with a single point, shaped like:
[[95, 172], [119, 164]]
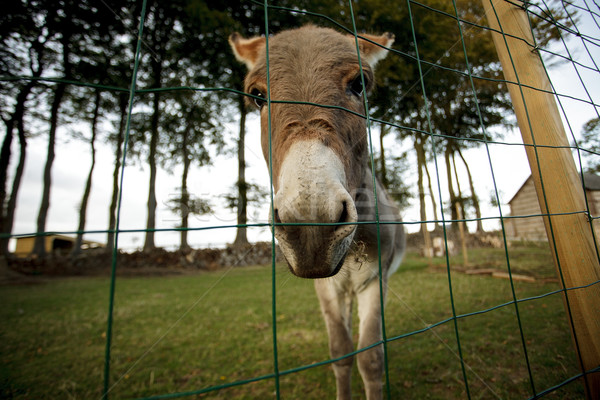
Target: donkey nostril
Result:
[[346, 219], [343, 221], [276, 216], [344, 214], [279, 228]]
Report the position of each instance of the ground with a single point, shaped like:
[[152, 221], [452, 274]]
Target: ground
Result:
[[192, 332]]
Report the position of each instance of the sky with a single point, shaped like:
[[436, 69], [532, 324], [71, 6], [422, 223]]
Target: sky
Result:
[[508, 162]]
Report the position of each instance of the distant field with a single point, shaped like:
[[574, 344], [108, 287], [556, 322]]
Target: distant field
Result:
[[186, 333]]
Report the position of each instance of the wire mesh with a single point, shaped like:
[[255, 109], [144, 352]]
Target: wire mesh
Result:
[[539, 11]]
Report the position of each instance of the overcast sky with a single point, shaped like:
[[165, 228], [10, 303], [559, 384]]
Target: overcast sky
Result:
[[72, 162]]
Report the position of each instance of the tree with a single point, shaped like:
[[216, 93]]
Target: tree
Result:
[[180, 52], [39, 247], [117, 138], [94, 61], [118, 74], [193, 131], [470, 107], [95, 113], [185, 49], [159, 33], [72, 24], [23, 52], [435, 101], [62, 38], [219, 20], [241, 237], [590, 141]]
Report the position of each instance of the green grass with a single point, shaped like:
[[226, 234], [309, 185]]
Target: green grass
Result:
[[186, 333]]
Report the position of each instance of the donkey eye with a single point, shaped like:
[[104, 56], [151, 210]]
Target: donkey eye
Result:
[[259, 98], [355, 87]]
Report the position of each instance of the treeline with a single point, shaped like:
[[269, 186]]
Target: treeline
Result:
[[65, 62]]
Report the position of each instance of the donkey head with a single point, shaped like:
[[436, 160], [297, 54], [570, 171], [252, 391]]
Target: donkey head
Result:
[[318, 154]]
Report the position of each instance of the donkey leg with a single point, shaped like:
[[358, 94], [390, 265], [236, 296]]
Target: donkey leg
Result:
[[370, 362], [336, 306]]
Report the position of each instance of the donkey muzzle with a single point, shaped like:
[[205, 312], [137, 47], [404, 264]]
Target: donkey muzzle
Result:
[[315, 215]]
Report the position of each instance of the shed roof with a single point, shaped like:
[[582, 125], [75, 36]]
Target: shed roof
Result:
[[591, 181], [62, 237]]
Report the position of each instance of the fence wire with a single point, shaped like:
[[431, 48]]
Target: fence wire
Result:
[[589, 43]]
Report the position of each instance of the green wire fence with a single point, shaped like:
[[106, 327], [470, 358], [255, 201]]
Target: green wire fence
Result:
[[539, 12]]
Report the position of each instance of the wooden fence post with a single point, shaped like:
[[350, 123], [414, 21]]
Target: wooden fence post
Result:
[[557, 182]]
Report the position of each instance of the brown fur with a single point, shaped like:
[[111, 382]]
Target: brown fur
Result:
[[323, 82]]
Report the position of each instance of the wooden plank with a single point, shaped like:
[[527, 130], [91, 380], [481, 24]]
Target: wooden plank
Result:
[[481, 271], [514, 277], [556, 179]]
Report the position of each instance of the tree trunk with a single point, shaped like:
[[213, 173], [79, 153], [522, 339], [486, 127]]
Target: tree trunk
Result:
[[383, 170], [241, 237], [39, 247], [88, 184], [151, 220], [112, 212], [460, 214], [4, 161], [459, 197], [419, 148], [5, 152], [7, 212], [185, 196], [12, 201], [451, 193], [421, 162], [432, 196], [474, 198]]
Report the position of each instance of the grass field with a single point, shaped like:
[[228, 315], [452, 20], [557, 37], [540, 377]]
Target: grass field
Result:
[[185, 333]]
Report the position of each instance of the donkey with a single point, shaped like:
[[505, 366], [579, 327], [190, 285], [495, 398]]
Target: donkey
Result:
[[319, 163]]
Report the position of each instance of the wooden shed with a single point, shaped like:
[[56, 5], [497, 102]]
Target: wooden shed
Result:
[[525, 203], [54, 244]]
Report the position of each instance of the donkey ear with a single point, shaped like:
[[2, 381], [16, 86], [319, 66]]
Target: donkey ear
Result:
[[372, 53], [246, 50]]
